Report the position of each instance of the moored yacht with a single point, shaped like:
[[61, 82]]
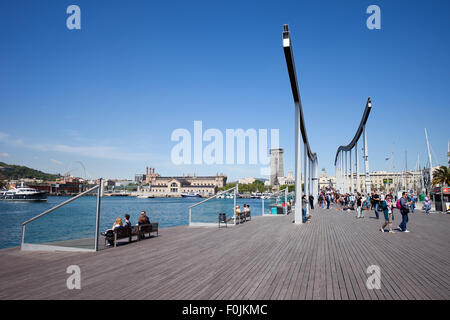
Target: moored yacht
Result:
[[191, 195], [23, 193]]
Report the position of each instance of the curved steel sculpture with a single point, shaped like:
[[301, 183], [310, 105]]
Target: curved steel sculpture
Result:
[[294, 86], [310, 158], [340, 160], [358, 132]]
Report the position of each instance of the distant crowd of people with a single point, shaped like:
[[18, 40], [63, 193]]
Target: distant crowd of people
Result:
[[379, 203]]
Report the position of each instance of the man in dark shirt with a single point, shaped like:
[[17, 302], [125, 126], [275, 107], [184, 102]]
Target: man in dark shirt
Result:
[[376, 203], [404, 211], [311, 201], [126, 220], [143, 219]]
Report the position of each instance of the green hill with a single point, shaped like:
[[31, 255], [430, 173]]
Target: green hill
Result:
[[13, 172]]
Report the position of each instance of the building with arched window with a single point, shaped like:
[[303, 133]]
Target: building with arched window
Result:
[[159, 186]]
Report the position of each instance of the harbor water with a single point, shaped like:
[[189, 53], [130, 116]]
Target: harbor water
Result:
[[77, 219]]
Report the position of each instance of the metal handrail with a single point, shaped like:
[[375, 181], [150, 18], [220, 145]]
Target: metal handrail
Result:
[[358, 133]]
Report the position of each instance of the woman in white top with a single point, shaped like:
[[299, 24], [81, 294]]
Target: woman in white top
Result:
[[117, 224]]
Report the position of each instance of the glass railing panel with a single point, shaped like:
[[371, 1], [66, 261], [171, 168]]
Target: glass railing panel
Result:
[[70, 226], [208, 212]]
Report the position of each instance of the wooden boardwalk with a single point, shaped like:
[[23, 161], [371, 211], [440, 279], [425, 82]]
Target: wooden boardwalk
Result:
[[266, 258]]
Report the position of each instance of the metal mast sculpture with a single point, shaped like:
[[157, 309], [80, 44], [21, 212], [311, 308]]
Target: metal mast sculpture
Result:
[[310, 159], [340, 161]]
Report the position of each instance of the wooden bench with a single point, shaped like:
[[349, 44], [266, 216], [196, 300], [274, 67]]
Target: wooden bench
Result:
[[119, 233], [129, 232], [243, 216], [146, 228]]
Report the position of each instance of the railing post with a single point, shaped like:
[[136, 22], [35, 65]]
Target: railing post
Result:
[[298, 168], [306, 181], [351, 172], [310, 173], [262, 205], [23, 237], [285, 200], [97, 220], [234, 206], [358, 182], [366, 163]]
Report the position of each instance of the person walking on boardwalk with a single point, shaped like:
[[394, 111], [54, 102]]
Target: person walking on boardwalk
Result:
[[387, 206], [427, 204], [376, 203], [328, 199], [404, 210], [304, 204], [311, 201], [414, 202], [359, 212]]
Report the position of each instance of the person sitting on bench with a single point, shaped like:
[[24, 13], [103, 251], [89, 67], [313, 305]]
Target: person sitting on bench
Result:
[[126, 220], [143, 219], [108, 233], [246, 211]]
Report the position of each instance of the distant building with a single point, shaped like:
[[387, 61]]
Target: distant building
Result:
[[122, 183], [247, 180], [287, 180], [326, 181], [139, 178], [276, 166], [391, 181], [175, 186], [383, 181]]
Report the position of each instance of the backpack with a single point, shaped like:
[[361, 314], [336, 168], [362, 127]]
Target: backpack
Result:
[[399, 205]]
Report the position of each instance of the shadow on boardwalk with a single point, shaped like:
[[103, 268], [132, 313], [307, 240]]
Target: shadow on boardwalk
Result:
[[266, 258]]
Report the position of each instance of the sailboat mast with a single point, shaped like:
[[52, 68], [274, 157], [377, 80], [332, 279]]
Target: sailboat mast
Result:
[[429, 158]]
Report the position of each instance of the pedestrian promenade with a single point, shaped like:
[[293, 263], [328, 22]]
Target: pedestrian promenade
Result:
[[266, 258]]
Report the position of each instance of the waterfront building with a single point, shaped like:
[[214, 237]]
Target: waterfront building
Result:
[[175, 186], [122, 183], [247, 180], [384, 181], [326, 181], [287, 180], [139, 178]]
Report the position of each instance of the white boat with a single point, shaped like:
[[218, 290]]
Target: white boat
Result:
[[23, 193], [190, 195], [144, 197]]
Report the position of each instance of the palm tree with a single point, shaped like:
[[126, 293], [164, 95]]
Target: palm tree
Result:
[[441, 176]]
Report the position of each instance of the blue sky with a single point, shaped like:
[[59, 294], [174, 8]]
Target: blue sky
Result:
[[111, 94]]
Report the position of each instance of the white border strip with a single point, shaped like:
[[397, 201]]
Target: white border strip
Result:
[[209, 224], [44, 247]]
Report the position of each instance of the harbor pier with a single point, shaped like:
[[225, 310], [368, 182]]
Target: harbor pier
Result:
[[265, 258]]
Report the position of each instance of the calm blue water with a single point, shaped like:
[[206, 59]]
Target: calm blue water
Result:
[[77, 219]]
